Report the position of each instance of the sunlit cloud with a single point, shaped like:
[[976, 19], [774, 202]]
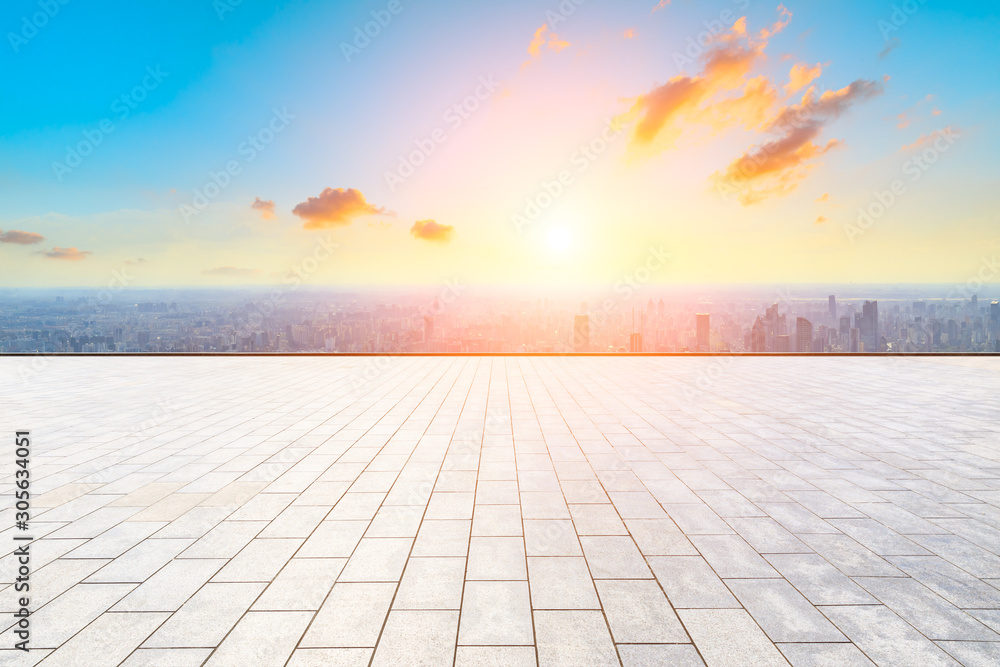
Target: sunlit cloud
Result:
[[266, 208], [689, 103], [629, 34], [801, 76], [823, 198], [231, 272], [544, 39], [776, 167], [662, 5], [821, 219], [20, 238], [333, 208], [431, 230], [66, 254]]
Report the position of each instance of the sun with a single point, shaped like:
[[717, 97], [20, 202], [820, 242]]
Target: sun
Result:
[[560, 239]]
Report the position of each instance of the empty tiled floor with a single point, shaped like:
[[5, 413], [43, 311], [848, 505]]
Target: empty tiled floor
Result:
[[508, 511]]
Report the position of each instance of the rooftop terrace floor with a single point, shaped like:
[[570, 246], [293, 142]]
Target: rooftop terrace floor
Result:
[[506, 511]]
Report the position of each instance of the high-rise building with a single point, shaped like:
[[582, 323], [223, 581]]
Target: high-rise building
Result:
[[869, 324], [428, 327], [783, 343], [758, 336], [702, 327], [581, 333], [803, 335], [856, 345], [995, 312], [635, 343], [833, 308]]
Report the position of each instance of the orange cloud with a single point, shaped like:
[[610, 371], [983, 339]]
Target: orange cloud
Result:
[[630, 33], [663, 4], [544, 39], [686, 103], [801, 76], [430, 230], [20, 238], [825, 197], [266, 207], [335, 207], [821, 219], [231, 272], [777, 166], [66, 254]]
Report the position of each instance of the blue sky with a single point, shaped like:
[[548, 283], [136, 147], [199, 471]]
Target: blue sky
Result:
[[223, 78]]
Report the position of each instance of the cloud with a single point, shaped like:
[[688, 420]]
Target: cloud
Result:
[[66, 254], [333, 208], [890, 46], [801, 76], [927, 139], [20, 238], [231, 272], [132, 262], [430, 230], [629, 34], [776, 166], [663, 5], [688, 103], [821, 219], [823, 198], [542, 40], [266, 207]]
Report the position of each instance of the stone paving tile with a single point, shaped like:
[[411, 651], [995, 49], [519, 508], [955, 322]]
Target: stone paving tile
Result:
[[513, 511], [886, 638]]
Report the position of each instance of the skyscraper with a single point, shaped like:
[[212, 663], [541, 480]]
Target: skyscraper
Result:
[[428, 327], [869, 324], [701, 323], [833, 308], [803, 335], [581, 333], [758, 336]]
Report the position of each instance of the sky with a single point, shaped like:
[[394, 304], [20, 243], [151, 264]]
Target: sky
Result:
[[568, 142]]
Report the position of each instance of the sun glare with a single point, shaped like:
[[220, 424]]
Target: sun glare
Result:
[[560, 239]]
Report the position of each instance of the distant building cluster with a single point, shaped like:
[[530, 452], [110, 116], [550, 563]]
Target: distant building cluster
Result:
[[244, 322]]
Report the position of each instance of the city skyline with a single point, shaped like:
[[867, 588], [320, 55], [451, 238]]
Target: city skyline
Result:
[[461, 319]]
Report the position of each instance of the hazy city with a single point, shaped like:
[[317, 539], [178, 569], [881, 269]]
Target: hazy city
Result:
[[466, 319]]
